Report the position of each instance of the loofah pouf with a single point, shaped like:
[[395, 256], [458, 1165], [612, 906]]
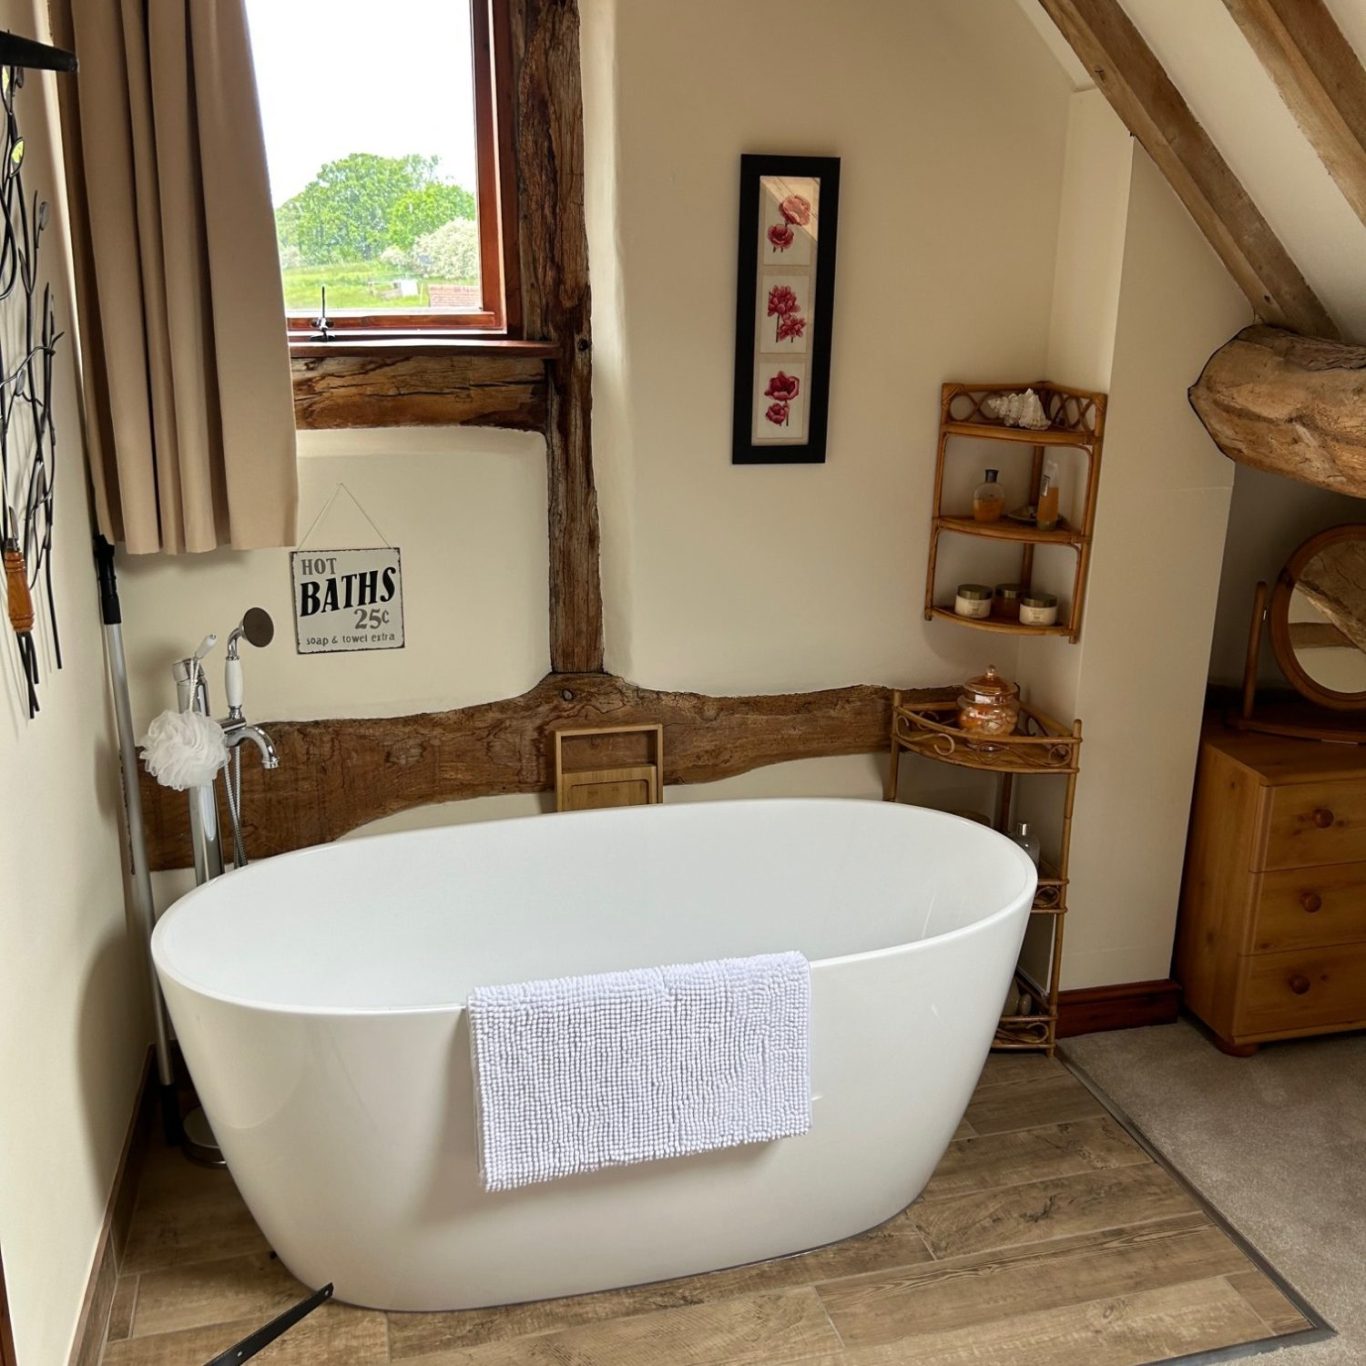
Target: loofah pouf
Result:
[[183, 749]]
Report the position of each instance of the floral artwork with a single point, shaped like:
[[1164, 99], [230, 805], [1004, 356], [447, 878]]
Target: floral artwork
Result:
[[782, 389], [782, 373]]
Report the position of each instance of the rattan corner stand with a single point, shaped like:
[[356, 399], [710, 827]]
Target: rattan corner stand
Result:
[[1042, 747], [1076, 419]]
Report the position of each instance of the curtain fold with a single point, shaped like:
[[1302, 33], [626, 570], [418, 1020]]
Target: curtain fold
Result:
[[184, 359]]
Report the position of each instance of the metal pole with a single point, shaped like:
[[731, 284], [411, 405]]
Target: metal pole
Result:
[[140, 874]]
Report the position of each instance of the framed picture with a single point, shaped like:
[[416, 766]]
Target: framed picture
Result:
[[789, 212]]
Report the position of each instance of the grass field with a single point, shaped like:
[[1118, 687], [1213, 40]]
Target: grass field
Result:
[[364, 284]]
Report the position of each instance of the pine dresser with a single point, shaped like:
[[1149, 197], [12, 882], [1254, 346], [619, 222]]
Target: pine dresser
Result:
[[1271, 941]]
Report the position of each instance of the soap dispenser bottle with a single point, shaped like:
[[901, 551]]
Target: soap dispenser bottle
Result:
[[988, 499]]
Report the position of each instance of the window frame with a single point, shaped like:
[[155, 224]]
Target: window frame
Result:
[[500, 315]]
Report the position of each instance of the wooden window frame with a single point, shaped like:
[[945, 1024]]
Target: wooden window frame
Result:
[[496, 207]]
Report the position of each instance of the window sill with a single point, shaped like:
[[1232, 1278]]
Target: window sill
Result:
[[410, 344]]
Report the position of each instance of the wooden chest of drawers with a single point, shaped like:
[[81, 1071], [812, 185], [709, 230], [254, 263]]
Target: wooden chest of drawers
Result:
[[1271, 942]]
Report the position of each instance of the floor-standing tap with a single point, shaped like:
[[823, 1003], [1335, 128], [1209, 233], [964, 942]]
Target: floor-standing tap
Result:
[[192, 694], [258, 629]]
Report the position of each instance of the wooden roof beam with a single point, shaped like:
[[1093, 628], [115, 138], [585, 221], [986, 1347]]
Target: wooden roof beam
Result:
[[1142, 94], [1320, 79]]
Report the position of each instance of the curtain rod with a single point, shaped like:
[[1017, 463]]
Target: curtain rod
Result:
[[26, 52]]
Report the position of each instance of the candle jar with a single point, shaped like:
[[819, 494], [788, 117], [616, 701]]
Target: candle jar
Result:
[[989, 705], [1006, 603], [1038, 609], [973, 600]]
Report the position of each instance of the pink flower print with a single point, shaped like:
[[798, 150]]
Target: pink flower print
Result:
[[781, 301], [783, 387], [791, 327], [777, 414], [781, 236], [796, 209], [782, 304]]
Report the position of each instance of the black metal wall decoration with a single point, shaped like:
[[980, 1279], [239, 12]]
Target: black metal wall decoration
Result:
[[28, 433]]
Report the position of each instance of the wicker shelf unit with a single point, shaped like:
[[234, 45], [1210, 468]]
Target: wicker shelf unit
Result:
[[1040, 747], [1077, 420]]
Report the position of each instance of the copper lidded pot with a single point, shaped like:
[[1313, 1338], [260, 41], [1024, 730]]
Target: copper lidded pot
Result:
[[989, 705]]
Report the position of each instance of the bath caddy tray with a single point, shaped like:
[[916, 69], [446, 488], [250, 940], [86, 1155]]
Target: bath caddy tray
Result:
[[1040, 746]]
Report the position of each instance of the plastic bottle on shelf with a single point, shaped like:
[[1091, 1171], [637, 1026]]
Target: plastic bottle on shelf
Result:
[[988, 499], [1046, 514], [1028, 842]]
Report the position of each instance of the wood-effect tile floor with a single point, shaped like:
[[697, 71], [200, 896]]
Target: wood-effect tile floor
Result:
[[1046, 1234]]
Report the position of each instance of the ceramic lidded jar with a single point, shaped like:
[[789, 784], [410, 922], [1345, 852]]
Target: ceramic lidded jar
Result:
[[989, 705]]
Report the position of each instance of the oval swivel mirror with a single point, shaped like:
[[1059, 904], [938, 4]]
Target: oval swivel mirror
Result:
[[1316, 618]]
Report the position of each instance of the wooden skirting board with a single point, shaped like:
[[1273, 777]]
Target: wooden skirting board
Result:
[[1125, 1005], [91, 1326], [337, 775]]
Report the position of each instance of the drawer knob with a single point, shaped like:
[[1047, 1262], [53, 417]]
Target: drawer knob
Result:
[[1323, 817], [1311, 901], [1299, 984]]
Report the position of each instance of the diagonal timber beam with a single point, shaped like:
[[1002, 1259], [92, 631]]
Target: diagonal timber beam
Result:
[[1142, 94], [1320, 79]]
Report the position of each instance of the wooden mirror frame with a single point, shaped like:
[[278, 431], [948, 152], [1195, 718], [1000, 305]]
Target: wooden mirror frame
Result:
[[1278, 620]]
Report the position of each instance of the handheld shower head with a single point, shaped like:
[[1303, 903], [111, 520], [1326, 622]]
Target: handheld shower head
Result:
[[256, 626]]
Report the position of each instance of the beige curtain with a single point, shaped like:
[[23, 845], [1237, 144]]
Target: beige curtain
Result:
[[185, 367]]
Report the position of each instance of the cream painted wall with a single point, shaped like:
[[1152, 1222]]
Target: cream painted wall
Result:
[[1137, 678], [72, 1025], [949, 118], [467, 508]]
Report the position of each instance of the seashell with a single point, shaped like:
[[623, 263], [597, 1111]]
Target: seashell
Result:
[[1017, 410]]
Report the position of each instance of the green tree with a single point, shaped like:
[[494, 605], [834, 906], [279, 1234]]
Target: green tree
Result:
[[351, 209], [425, 209]]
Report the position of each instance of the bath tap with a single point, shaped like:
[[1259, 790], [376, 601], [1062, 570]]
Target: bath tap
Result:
[[237, 731]]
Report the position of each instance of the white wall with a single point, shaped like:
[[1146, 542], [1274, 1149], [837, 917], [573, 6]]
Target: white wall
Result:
[[949, 119], [1137, 677], [72, 1026]]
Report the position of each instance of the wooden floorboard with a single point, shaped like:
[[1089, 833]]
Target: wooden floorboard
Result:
[[1047, 1233]]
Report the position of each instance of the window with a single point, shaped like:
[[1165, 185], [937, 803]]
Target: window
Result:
[[389, 179]]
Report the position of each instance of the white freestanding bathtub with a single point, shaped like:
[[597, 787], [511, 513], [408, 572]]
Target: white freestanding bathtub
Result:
[[319, 998]]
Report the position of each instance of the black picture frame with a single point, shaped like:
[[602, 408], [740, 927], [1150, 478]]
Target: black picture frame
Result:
[[751, 273]]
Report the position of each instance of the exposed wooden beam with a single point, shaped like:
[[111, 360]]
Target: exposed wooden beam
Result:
[[1132, 79], [337, 775], [1320, 79], [555, 300], [1289, 405], [415, 390]]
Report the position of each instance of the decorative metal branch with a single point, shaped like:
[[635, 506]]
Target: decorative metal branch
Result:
[[28, 434]]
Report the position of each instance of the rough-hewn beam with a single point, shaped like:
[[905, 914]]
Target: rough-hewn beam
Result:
[[555, 301], [415, 390], [1320, 79], [337, 775], [1288, 404], [1142, 94]]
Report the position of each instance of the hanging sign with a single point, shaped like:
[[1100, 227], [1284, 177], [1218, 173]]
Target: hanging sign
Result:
[[347, 600]]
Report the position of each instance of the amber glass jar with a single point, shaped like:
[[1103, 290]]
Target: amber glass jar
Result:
[[989, 705]]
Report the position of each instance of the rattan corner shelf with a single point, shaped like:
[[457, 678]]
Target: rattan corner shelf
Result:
[[1040, 746], [1076, 419]]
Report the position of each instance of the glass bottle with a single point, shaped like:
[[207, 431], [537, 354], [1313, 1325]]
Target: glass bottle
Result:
[[1028, 842], [1046, 514], [988, 499]]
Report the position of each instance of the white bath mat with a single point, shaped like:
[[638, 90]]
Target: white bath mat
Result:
[[575, 1074]]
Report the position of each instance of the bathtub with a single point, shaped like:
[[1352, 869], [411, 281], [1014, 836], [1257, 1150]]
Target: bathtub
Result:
[[318, 999]]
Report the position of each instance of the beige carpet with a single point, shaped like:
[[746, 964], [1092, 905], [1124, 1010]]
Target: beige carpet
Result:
[[1276, 1142]]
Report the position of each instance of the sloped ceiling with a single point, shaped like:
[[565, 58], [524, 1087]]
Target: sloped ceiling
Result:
[[1231, 94]]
